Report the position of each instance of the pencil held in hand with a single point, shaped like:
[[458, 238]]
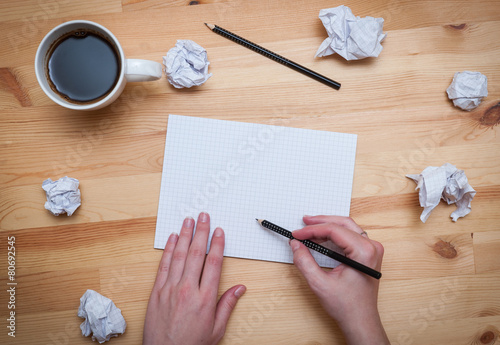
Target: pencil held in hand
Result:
[[273, 56], [323, 250]]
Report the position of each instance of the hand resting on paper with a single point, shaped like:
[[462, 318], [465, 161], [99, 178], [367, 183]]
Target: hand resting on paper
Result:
[[347, 295], [183, 307]]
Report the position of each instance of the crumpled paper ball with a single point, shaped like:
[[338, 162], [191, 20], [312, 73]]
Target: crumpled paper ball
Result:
[[63, 195], [468, 89], [102, 318], [186, 64], [445, 182], [351, 37]]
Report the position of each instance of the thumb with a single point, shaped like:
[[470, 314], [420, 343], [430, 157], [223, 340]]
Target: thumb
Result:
[[306, 264], [225, 307]]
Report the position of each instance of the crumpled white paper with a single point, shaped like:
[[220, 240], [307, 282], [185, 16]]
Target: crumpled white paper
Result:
[[351, 37], [186, 64], [468, 89], [445, 182], [63, 195], [102, 317]]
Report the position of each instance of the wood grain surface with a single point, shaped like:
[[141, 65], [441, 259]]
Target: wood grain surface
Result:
[[441, 282]]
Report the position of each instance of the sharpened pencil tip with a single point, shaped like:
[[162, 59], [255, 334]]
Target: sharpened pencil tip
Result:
[[210, 26]]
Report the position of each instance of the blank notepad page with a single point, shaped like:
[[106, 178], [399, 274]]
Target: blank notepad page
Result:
[[238, 172]]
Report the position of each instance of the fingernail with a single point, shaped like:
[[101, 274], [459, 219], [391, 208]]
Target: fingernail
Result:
[[188, 222], [240, 291], [203, 217], [173, 238], [294, 244], [218, 232]]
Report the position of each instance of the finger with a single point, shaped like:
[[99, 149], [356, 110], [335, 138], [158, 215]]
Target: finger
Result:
[[226, 306], [213, 263], [166, 258], [306, 264], [180, 252], [346, 222], [198, 249], [346, 239]]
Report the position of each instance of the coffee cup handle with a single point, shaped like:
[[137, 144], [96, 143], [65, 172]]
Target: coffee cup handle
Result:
[[142, 70]]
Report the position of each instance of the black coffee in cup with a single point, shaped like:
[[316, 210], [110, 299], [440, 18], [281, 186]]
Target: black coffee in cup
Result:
[[83, 66]]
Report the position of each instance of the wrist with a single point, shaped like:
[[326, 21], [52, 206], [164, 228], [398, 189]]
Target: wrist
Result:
[[365, 328]]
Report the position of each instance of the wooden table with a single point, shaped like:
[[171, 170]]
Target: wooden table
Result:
[[441, 279]]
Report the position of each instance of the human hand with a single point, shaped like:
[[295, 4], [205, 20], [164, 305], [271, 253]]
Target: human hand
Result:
[[183, 307], [347, 295]]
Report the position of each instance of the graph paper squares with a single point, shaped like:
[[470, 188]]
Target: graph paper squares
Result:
[[238, 172]]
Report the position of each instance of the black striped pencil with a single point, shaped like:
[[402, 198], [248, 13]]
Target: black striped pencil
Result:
[[323, 250], [273, 56]]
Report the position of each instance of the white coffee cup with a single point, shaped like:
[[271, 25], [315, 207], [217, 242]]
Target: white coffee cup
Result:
[[132, 70]]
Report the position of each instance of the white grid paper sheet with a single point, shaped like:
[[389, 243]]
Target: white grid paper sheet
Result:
[[238, 172]]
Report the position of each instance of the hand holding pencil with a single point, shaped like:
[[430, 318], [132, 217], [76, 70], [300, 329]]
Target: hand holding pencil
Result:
[[347, 295]]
